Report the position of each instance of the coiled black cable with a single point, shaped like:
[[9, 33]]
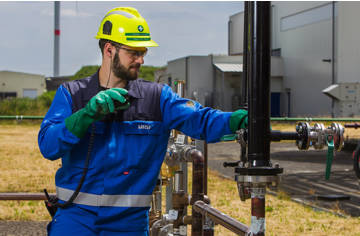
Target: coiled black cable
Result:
[[53, 203]]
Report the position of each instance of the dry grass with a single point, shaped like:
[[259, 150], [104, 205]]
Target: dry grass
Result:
[[23, 169], [283, 217]]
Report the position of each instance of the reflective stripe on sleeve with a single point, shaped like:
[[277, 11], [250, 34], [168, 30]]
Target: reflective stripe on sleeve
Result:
[[90, 199]]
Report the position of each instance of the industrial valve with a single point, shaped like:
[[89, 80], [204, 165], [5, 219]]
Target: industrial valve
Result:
[[305, 136], [318, 136]]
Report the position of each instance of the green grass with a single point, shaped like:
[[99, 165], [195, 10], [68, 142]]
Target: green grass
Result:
[[27, 106]]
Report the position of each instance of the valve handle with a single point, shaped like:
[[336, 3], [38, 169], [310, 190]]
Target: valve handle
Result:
[[231, 164]]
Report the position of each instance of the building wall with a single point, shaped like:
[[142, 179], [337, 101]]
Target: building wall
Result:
[[303, 49], [200, 79], [236, 28], [212, 87], [18, 82], [303, 32], [176, 70], [348, 42]]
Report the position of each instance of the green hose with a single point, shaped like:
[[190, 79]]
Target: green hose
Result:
[[330, 156]]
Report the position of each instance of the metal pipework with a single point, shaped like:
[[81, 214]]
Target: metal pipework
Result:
[[254, 173], [155, 210], [314, 119], [180, 153], [353, 125], [317, 135], [24, 196], [221, 218], [197, 190], [259, 84], [282, 119], [258, 209], [244, 79]]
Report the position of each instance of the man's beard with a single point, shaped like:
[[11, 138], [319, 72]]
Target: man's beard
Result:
[[121, 72]]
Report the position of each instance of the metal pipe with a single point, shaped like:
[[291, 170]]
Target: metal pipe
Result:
[[221, 218], [24, 117], [21, 117], [315, 119], [277, 135], [24, 196], [259, 87], [197, 190], [257, 227], [178, 181], [205, 167], [354, 125], [245, 57]]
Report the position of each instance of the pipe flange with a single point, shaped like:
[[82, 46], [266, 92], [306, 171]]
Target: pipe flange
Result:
[[256, 179], [338, 136], [319, 128], [303, 129]]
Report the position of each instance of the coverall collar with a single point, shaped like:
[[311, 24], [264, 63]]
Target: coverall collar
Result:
[[94, 87]]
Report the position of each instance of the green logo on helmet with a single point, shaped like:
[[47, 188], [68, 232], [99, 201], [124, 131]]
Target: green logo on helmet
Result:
[[140, 28]]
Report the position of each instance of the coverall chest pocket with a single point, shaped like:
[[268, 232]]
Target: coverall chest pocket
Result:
[[140, 140]]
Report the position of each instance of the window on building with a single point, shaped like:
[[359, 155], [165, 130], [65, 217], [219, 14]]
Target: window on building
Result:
[[29, 93], [307, 17]]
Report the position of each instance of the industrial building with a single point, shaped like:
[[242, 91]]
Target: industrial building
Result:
[[315, 53], [215, 80], [319, 49], [18, 84]]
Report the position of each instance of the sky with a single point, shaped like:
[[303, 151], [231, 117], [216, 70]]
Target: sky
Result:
[[180, 28]]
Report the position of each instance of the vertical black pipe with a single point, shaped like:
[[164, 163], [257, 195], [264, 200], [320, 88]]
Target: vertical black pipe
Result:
[[245, 53], [259, 86]]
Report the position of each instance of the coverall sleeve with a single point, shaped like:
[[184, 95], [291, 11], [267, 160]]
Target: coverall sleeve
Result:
[[54, 139], [191, 118]]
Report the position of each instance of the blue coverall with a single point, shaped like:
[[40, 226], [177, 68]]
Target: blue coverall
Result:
[[126, 156]]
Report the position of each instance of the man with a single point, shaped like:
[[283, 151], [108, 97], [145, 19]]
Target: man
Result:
[[120, 126]]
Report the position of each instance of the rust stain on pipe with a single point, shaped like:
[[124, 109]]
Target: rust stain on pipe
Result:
[[258, 207]]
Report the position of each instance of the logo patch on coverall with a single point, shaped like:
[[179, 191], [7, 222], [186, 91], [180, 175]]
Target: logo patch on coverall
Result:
[[147, 127]]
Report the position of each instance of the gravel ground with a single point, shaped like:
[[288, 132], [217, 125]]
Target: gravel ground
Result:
[[23, 228]]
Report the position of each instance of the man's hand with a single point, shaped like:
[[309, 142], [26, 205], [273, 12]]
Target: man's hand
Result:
[[238, 120], [103, 103], [98, 107]]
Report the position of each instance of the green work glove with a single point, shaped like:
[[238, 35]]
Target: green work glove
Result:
[[238, 120], [97, 108]]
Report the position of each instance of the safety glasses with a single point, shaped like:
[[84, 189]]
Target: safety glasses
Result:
[[134, 53]]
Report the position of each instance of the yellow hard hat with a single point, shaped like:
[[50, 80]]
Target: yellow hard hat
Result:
[[126, 26]]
